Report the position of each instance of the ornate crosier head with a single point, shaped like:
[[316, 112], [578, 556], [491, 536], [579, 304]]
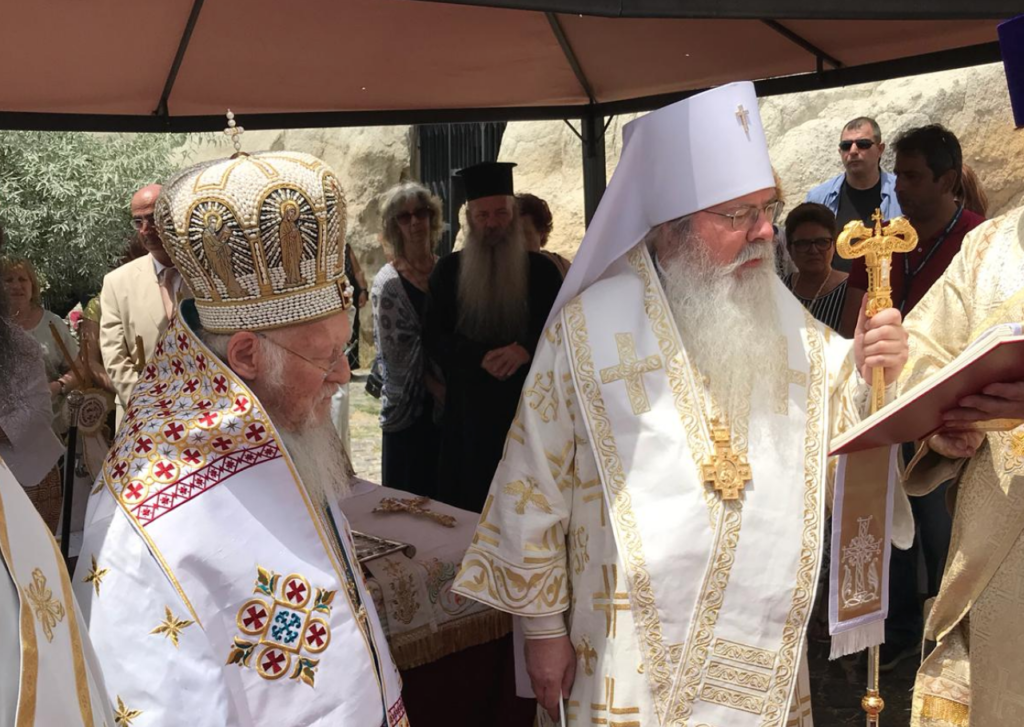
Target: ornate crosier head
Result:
[[259, 238]]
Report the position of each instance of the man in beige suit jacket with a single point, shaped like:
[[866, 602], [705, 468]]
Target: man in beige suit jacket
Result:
[[133, 302]]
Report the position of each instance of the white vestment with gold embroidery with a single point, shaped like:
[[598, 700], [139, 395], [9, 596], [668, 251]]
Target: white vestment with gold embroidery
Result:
[[216, 591], [50, 675], [682, 608]]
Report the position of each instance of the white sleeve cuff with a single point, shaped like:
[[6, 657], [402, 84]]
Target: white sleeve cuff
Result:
[[543, 627]]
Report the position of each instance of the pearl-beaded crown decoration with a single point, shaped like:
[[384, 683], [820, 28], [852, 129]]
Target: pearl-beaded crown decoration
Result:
[[259, 238]]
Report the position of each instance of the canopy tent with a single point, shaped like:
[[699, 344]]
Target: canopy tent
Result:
[[177, 65]]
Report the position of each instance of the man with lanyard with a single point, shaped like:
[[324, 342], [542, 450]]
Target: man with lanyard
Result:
[[863, 187], [928, 169]]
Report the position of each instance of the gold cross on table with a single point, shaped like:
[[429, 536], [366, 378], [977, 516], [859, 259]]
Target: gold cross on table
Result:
[[726, 470], [414, 506], [631, 370], [743, 116]]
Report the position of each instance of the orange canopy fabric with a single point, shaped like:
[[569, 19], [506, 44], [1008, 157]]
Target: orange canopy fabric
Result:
[[126, 59]]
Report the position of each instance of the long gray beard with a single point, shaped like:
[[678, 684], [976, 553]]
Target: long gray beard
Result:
[[494, 286], [729, 324], [320, 461]]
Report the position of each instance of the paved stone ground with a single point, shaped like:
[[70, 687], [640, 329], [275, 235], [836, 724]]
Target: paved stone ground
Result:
[[837, 686], [364, 429]]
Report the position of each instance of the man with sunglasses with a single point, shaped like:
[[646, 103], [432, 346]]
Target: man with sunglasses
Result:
[[137, 300], [863, 187]]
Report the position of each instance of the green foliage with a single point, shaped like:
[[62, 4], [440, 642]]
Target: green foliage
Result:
[[64, 202]]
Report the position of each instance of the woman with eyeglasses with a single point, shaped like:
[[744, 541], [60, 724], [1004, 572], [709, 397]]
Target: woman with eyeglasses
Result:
[[811, 241], [410, 389]]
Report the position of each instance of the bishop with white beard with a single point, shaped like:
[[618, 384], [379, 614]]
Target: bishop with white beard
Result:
[[657, 517], [485, 314], [218, 576]]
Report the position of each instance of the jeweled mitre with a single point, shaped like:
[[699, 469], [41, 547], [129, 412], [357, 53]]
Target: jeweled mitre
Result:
[[259, 238]]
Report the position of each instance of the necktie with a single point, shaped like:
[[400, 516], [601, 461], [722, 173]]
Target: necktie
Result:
[[168, 282]]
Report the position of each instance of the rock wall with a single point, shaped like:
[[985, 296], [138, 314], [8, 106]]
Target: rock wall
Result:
[[973, 103], [803, 130]]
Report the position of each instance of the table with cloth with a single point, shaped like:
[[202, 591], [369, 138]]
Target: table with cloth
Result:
[[455, 654]]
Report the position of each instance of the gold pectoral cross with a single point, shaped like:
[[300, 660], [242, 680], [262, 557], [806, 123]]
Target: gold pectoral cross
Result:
[[726, 470]]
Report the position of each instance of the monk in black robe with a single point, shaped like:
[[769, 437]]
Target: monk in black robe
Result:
[[486, 313]]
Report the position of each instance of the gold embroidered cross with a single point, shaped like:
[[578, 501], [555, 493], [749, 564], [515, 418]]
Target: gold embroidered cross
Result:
[[609, 708], [726, 469], [124, 717], [171, 626], [96, 574], [611, 601], [527, 494], [631, 370], [48, 609], [792, 377], [743, 116], [484, 525]]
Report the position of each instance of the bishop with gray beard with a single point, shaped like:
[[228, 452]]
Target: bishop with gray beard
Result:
[[485, 315]]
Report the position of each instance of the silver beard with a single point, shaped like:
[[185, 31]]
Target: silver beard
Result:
[[315, 447], [728, 321], [494, 285], [320, 460]]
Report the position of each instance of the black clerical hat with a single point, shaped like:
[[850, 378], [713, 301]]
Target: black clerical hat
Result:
[[487, 179], [1011, 45]]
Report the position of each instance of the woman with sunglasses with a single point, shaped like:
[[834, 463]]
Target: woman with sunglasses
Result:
[[411, 224], [810, 239]]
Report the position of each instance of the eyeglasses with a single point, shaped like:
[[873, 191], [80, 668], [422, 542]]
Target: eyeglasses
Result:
[[422, 213], [746, 217], [325, 370], [138, 222], [862, 144], [821, 243]]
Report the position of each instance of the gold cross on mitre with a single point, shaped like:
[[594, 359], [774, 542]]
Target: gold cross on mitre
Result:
[[743, 116], [234, 132], [726, 470]]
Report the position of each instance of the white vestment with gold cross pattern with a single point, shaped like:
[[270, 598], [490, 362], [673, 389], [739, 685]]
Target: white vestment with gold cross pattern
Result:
[[50, 675], [684, 607], [216, 590]]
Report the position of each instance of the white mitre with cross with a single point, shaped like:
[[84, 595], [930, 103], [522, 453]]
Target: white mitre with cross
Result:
[[691, 155]]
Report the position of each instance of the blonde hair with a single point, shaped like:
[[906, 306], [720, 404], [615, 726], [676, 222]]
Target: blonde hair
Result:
[[13, 264], [394, 200]]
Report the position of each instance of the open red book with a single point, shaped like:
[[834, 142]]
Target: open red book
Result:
[[996, 356]]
